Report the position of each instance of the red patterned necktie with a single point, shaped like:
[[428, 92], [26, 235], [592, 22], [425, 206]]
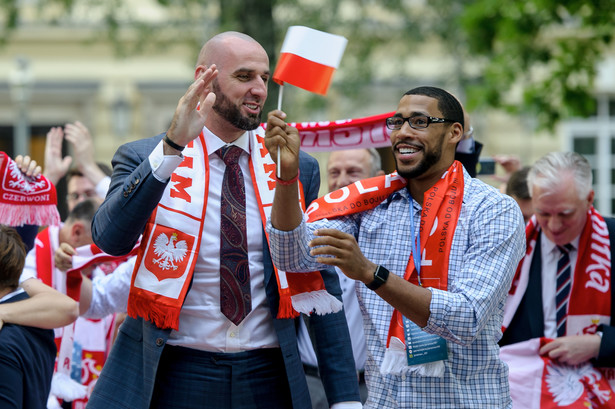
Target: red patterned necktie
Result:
[[235, 296]]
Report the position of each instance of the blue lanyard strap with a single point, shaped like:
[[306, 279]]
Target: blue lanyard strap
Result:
[[416, 242]]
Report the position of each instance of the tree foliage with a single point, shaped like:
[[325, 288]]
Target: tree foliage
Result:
[[532, 57]]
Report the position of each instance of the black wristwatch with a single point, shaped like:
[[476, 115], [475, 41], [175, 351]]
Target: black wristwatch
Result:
[[380, 277]]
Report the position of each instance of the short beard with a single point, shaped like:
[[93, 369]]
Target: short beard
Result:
[[225, 108], [431, 159]]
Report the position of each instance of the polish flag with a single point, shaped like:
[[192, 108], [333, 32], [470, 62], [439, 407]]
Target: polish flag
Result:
[[308, 58], [539, 382]]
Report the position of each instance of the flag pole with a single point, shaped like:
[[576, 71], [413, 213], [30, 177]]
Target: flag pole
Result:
[[279, 170]]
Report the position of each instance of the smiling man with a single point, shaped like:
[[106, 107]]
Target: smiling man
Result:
[[435, 248], [207, 327]]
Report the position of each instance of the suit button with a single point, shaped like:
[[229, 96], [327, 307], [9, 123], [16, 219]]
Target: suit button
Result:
[[125, 193], [159, 342], [137, 180]]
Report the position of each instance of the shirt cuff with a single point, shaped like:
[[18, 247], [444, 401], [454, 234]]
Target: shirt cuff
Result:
[[163, 165], [466, 146], [102, 187], [347, 405]]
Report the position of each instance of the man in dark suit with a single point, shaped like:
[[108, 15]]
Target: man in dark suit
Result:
[[181, 345], [563, 286], [468, 149]]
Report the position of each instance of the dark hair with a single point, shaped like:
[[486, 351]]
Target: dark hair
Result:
[[12, 257], [447, 104], [517, 184], [84, 211], [72, 172]]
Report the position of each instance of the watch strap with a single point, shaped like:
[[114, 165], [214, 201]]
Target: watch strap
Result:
[[173, 144], [380, 277]]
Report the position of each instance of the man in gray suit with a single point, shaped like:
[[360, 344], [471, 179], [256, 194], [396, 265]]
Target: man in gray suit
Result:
[[181, 344]]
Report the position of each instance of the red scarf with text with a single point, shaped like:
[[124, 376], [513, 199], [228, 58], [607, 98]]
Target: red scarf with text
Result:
[[24, 199], [168, 255], [439, 216], [591, 283]]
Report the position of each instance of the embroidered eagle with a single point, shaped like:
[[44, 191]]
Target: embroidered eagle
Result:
[[168, 251], [568, 383]]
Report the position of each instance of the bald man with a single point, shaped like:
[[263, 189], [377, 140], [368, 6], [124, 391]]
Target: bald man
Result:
[[206, 325]]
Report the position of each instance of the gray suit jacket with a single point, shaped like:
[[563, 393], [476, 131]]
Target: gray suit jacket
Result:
[[127, 379]]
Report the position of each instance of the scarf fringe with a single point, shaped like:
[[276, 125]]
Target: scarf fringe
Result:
[[285, 309], [52, 402], [65, 388], [39, 215], [395, 362], [156, 312], [433, 369], [319, 302]]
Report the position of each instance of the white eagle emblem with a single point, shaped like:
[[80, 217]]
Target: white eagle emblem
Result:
[[168, 251], [23, 183], [568, 383]]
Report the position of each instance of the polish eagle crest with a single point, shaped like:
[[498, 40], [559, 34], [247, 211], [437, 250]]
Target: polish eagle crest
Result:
[[169, 251], [569, 383]]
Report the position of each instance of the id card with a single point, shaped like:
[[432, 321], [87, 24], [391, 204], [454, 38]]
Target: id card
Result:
[[422, 347]]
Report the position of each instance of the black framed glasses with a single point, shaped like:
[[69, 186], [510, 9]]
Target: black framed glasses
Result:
[[395, 123]]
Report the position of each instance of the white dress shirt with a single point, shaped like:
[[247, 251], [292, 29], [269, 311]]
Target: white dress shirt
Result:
[[201, 323]]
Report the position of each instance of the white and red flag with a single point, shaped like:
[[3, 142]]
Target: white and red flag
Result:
[[308, 59], [537, 382]]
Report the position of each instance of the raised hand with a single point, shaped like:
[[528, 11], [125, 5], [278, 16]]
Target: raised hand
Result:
[[281, 136], [28, 166], [193, 109], [83, 146], [55, 166]]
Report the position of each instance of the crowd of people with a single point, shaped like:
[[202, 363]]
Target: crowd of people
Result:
[[195, 275]]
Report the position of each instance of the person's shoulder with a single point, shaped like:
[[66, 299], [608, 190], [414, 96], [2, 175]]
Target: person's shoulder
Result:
[[304, 156], [477, 192], [145, 143]]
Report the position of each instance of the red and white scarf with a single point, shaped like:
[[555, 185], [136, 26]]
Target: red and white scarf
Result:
[[93, 336], [591, 283], [538, 382], [439, 216], [25, 200], [172, 239]]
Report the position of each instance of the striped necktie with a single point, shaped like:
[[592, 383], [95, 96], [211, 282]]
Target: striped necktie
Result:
[[562, 292], [235, 293]]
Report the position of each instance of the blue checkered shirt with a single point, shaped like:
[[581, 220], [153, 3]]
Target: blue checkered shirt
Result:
[[488, 244]]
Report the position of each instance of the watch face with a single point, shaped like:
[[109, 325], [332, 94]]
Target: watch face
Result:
[[381, 274]]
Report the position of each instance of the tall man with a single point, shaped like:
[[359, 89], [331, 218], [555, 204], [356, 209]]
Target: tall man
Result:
[[343, 168], [563, 285], [435, 248], [191, 318]]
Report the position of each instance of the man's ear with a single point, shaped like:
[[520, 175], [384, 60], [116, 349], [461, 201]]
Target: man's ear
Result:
[[590, 197], [80, 233], [456, 133]]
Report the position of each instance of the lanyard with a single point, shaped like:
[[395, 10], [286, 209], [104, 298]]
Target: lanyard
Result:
[[416, 242]]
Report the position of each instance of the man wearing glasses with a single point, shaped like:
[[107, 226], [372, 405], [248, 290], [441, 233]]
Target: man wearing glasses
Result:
[[435, 248]]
